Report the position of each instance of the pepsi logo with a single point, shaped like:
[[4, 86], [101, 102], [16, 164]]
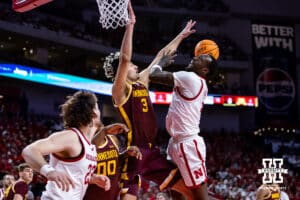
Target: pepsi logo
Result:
[[275, 89]]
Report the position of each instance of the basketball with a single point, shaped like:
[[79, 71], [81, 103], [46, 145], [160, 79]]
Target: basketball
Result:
[[207, 47]]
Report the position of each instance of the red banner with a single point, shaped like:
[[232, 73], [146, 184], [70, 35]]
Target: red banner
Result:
[[225, 100]]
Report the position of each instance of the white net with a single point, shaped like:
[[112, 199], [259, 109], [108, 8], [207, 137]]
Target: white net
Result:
[[113, 13]]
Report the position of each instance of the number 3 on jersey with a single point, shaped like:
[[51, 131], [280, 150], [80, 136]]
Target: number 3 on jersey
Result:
[[145, 104]]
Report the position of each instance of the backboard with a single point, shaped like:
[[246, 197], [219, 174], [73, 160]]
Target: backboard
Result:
[[26, 5]]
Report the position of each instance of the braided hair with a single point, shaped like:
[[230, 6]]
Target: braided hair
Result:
[[110, 65]]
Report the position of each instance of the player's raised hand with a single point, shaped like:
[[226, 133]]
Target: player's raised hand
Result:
[[62, 180], [188, 29], [131, 13], [101, 181], [167, 58]]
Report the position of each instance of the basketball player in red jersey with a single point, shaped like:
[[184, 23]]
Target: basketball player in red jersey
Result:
[[131, 98], [19, 189], [72, 156], [186, 148], [108, 161]]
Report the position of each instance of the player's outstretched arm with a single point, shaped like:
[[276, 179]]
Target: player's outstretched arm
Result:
[[186, 32], [112, 129], [172, 46], [34, 154], [116, 128], [119, 85]]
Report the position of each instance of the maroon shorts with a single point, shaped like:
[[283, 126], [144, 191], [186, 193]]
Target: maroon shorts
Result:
[[94, 191], [153, 167]]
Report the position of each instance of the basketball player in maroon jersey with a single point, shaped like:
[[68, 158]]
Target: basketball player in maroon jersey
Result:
[[131, 98], [108, 161], [19, 189]]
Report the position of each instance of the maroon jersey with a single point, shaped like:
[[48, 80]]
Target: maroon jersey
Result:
[[138, 114], [19, 187], [108, 165]]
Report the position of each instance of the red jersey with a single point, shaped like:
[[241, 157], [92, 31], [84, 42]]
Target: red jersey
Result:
[[19, 187], [138, 114], [108, 165]]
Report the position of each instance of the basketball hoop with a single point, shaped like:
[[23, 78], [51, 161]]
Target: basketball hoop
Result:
[[113, 13]]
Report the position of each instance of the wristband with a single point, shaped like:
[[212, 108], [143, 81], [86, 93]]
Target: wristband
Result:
[[154, 67], [46, 169]]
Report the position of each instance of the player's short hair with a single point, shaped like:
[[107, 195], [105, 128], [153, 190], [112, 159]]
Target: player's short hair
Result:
[[78, 109], [23, 166], [110, 65]]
